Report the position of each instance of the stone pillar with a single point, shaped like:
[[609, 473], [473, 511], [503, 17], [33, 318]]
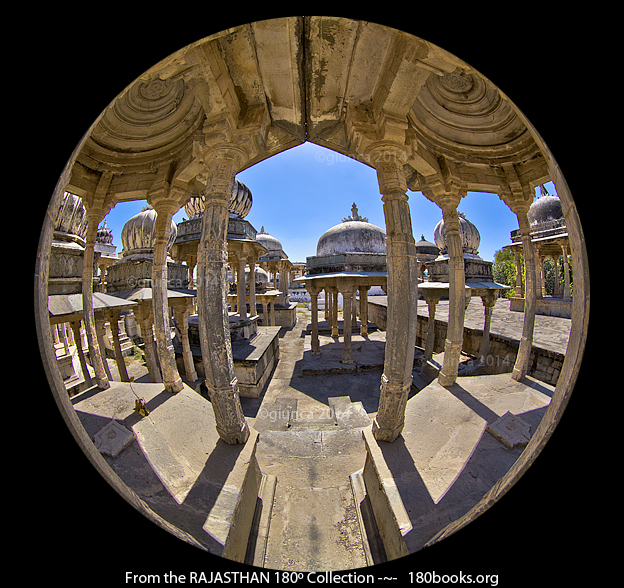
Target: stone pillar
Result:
[[265, 313], [457, 297], [162, 330], [530, 299], [542, 270], [95, 356], [189, 364], [334, 313], [314, 292], [252, 286], [147, 334], [64, 338], [75, 325], [213, 321], [240, 287], [363, 311], [347, 300], [489, 300], [272, 312], [519, 281], [566, 274], [327, 305], [396, 379], [113, 318], [100, 330], [432, 301]]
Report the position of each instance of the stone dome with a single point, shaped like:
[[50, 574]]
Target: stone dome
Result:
[[470, 237], [240, 202], [261, 276], [137, 235], [545, 208], [353, 235], [267, 241], [104, 235], [424, 247]]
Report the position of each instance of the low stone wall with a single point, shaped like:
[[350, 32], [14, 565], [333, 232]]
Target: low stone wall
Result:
[[548, 306], [544, 364]]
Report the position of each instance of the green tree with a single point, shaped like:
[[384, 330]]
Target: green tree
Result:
[[504, 270]]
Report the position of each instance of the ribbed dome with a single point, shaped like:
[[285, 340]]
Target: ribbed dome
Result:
[[104, 235], [268, 242], [240, 202], [71, 219], [353, 235], [137, 235], [545, 208], [470, 236]]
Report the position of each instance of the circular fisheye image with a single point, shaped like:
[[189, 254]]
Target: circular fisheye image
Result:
[[311, 294]]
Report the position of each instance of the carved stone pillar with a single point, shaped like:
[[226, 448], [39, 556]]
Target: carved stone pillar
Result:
[[252, 286], [519, 281], [241, 288], [402, 270], [348, 291], [213, 321], [147, 334], [457, 296], [162, 331], [113, 319], [327, 305], [542, 260], [189, 365], [566, 274], [489, 300], [530, 299], [432, 301], [314, 292], [334, 312], [75, 325], [101, 379], [100, 329], [363, 311]]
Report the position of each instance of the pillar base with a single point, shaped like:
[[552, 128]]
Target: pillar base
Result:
[[175, 386], [386, 434]]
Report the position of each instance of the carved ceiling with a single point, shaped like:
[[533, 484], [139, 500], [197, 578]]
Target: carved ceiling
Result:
[[314, 79]]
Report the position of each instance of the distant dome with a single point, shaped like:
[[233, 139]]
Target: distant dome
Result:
[[268, 242], [470, 236], [545, 208], [104, 235], [424, 247], [137, 235], [71, 219], [240, 202], [353, 235], [261, 276]]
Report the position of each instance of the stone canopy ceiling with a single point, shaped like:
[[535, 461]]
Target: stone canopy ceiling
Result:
[[311, 79]]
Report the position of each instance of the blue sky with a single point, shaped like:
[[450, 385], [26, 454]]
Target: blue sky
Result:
[[302, 192]]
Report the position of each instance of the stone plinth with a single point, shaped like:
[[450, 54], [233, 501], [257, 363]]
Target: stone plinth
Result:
[[510, 430], [254, 357]]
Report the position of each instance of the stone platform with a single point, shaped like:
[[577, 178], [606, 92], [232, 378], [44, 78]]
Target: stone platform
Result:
[[177, 464], [254, 359], [324, 327], [368, 355], [445, 459]]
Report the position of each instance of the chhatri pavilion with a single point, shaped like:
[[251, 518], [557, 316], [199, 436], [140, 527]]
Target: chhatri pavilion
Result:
[[350, 257]]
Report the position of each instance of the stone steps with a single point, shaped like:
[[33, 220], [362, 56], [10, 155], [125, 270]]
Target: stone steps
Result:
[[289, 414]]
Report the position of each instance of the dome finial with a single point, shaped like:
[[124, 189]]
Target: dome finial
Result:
[[543, 190], [354, 215]]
